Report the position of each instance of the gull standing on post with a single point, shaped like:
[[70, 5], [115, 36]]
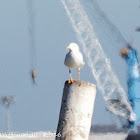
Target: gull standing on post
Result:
[[74, 59]]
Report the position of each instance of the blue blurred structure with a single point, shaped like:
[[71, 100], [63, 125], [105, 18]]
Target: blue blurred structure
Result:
[[133, 82]]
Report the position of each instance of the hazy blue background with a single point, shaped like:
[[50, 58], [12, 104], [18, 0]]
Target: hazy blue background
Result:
[[37, 107]]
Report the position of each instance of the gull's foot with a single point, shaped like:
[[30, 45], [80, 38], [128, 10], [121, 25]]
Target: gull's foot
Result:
[[70, 81]]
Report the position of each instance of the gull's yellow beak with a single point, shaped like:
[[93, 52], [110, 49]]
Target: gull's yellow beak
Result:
[[68, 48]]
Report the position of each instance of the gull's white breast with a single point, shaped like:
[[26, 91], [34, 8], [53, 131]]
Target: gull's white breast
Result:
[[74, 60]]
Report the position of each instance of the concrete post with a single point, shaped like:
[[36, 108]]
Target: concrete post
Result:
[[76, 111]]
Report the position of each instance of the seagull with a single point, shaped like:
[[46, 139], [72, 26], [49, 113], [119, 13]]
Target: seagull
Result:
[[74, 59]]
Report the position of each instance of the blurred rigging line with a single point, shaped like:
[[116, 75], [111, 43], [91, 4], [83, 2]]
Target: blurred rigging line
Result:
[[110, 31], [32, 34], [105, 24]]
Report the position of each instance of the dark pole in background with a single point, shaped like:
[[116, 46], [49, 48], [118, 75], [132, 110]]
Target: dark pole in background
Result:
[[6, 101]]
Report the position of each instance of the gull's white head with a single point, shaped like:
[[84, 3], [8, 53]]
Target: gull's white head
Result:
[[73, 47]]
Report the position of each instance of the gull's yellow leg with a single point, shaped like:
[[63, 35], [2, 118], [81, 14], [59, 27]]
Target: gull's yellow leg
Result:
[[70, 80], [79, 74]]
